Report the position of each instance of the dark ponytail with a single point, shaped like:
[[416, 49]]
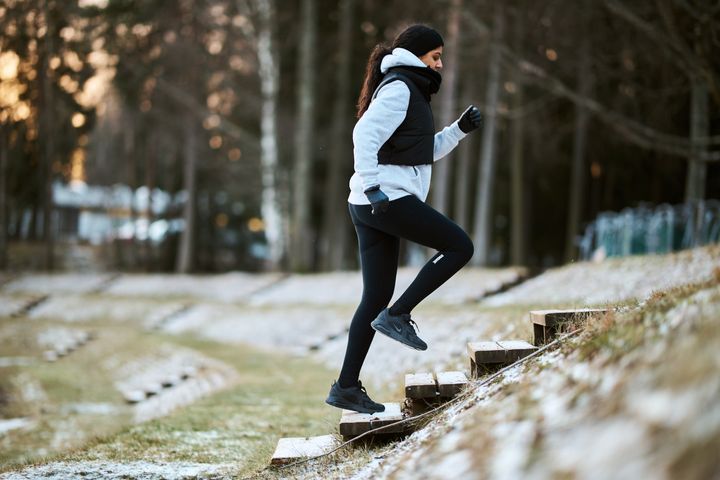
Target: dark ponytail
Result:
[[417, 38], [373, 77]]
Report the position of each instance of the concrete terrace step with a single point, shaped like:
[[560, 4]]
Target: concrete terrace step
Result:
[[548, 323], [295, 448], [488, 356]]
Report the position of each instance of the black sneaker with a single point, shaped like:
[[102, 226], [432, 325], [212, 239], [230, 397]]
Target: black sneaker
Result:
[[399, 327], [352, 398]]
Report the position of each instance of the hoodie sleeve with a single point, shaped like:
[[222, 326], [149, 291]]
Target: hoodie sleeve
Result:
[[446, 140], [384, 115]]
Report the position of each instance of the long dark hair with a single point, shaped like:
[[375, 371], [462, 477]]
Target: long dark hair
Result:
[[373, 76]]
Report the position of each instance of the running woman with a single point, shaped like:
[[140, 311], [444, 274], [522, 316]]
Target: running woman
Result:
[[395, 145]]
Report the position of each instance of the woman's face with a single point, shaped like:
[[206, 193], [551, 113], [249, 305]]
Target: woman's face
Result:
[[432, 59]]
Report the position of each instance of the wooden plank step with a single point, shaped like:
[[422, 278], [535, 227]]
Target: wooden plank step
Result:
[[296, 448], [420, 385], [548, 323], [450, 383], [353, 423], [488, 356]]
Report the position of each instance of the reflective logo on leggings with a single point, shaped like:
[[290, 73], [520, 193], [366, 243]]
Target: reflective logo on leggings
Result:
[[438, 258]]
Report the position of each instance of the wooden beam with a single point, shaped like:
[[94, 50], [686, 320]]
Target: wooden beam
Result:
[[295, 448], [420, 385], [450, 383]]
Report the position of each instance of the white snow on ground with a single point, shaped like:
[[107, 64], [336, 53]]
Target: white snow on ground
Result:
[[12, 304], [387, 361], [8, 424], [82, 308], [57, 283], [291, 327], [346, 287], [613, 280], [228, 287], [175, 377], [120, 471], [640, 416]]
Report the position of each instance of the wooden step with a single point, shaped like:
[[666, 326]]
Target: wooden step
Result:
[[450, 383], [296, 448], [420, 385], [425, 391], [548, 323], [353, 423], [488, 356], [431, 386]]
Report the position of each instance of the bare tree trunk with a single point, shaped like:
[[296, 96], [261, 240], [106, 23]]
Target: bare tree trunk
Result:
[[462, 171], [442, 169], [269, 72], [4, 151], [48, 141], [184, 262], [129, 154], [334, 239], [517, 156], [483, 204], [579, 170], [301, 238], [150, 165], [699, 128]]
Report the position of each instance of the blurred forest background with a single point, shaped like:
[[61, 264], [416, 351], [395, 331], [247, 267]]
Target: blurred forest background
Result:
[[212, 135]]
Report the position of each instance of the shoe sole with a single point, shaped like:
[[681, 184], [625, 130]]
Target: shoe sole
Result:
[[347, 406], [392, 334]]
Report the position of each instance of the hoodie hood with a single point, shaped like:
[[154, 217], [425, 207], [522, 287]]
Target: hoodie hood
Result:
[[400, 58]]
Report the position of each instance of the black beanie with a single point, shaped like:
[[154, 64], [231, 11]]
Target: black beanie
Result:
[[420, 39]]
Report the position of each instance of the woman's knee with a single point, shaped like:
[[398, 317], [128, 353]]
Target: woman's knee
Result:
[[466, 247]]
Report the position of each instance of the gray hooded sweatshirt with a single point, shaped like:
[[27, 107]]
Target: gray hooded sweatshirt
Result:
[[384, 115]]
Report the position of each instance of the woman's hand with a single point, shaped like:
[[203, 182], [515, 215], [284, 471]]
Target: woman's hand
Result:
[[379, 201], [470, 119]]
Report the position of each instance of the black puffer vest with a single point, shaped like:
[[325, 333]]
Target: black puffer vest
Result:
[[413, 141]]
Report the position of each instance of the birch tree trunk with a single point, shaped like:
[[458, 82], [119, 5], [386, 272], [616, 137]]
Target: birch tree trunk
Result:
[[269, 72], [483, 206], [334, 238], [184, 262], [301, 231], [579, 170], [442, 169]]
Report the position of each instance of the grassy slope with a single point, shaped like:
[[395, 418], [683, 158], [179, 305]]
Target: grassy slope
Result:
[[636, 393], [277, 395]]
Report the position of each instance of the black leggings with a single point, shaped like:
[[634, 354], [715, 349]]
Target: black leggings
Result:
[[379, 240]]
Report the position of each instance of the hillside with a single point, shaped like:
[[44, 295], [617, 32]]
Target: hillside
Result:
[[635, 394]]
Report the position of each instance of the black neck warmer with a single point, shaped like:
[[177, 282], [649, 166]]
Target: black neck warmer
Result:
[[427, 79]]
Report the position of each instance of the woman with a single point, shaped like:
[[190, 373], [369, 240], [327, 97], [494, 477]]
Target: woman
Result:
[[395, 145]]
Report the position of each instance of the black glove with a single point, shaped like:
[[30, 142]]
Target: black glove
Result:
[[380, 202], [470, 119]]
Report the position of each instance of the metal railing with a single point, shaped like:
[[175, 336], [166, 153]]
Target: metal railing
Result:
[[662, 229]]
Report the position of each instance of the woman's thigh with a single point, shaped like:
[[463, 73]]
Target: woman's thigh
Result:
[[409, 217], [379, 253]]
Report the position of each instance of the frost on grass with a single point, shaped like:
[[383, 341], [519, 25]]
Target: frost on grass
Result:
[[639, 407], [346, 287], [57, 283], [116, 471], [613, 280], [228, 287]]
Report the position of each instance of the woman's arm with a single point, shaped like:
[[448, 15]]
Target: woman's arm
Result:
[[446, 140], [384, 115]]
